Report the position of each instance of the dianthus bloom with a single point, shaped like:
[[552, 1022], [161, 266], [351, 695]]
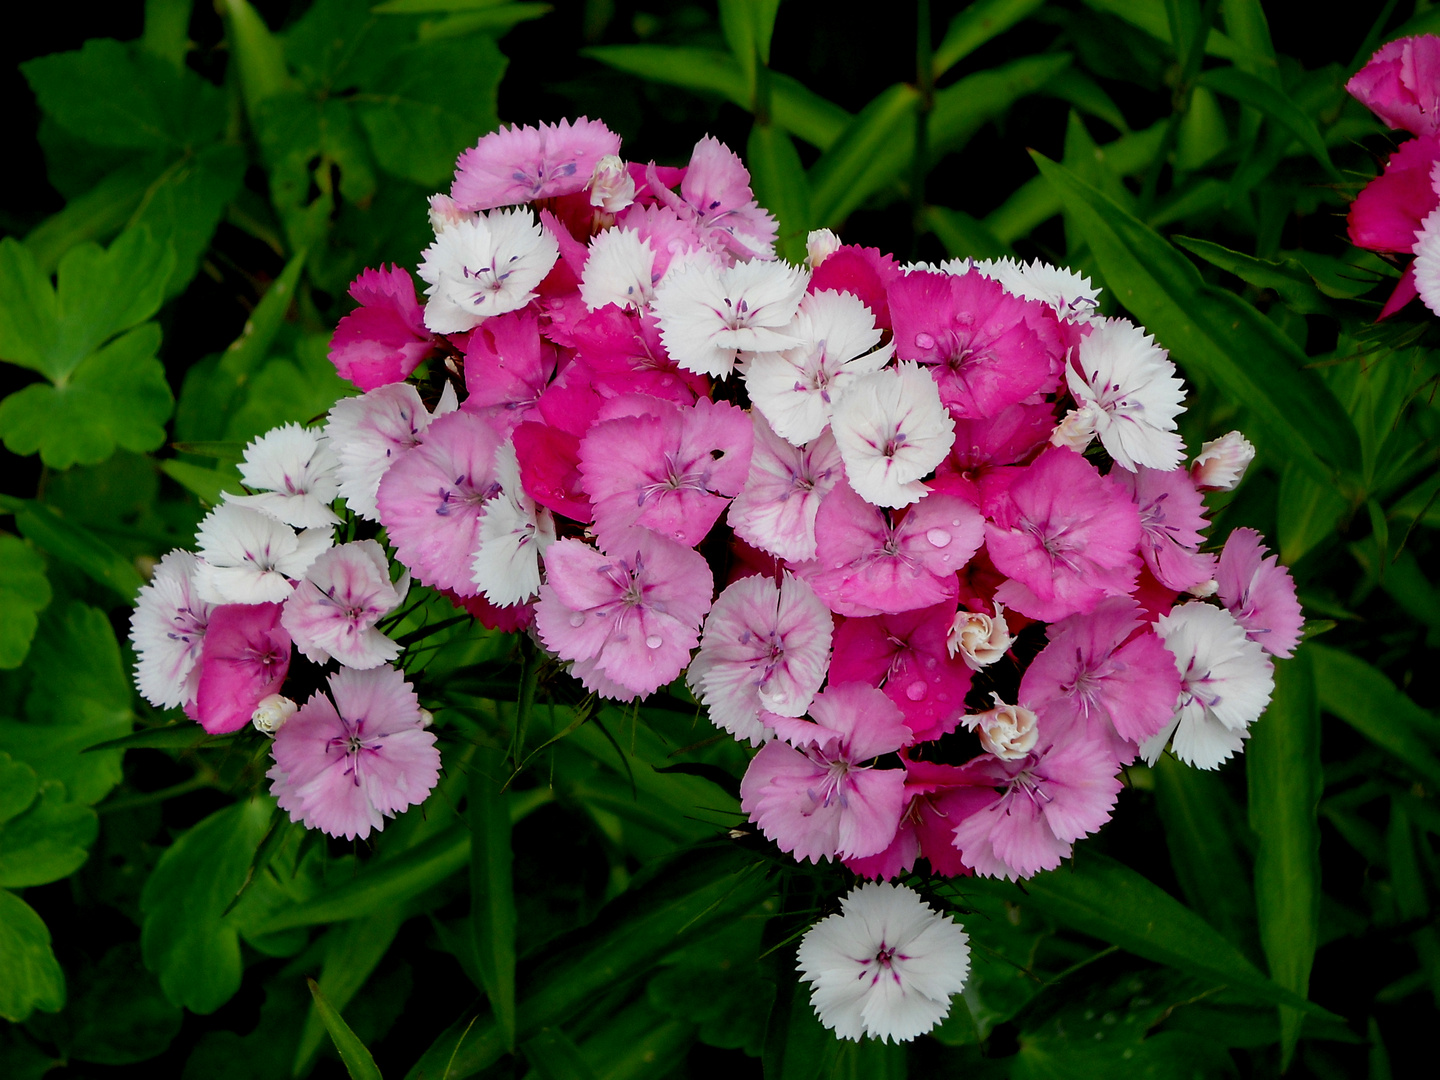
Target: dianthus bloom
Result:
[[332, 613], [167, 629], [384, 339], [522, 164], [1401, 84], [1260, 593], [344, 766], [244, 659], [476, 269], [292, 469], [892, 431], [886, 967]]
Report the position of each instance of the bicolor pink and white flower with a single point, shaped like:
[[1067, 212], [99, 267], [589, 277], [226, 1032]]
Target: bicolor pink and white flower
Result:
[[167, 629], [369, 433], [1221, 463], [517, 164], [514, 533], [776, 509], [243, 660], [332, 613], [1260, 593]]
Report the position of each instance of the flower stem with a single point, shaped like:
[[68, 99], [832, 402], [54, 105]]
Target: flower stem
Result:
[[530, 661]]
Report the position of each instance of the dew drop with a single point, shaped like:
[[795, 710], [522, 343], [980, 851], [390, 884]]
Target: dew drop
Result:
[[924, 341], [917, 690], [955, 521], [578, 619], [938, 537], [653, 641]]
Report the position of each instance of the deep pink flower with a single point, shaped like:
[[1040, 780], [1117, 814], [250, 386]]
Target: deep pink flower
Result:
[[550, 469], [1008, 437], [384, 339], [940, 796], [344, 766], [1389, 210], [1172, 516], [818, 797], [624, 355], [1063, 534], [863, 272], [1401, 84], [505, 619], [986, 348], [867, 563], [245, 657], [1260, 593], [523, 164], [907, 655], [507, 367], [716, 195], [628, 617]]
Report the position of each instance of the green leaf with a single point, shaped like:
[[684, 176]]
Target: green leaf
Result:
[[207, 485], [352, 952], [493, 22], [77, 546], [167, 30], [1309, 511], [1282, 768], [1269, 99], [748, 27], [187, 942], [30, 976], [359, 1065], [49, 841], [554, 1056], [24, 593], [797, 1045], [492, 891], [18, 787], [1107, 900], [1212, 331], [875, 141], [185, 203], [247, 352], [257, 52], [302, 390], [1152, 16], [96, 214], [966, 106], [779, 181], [1364, 698], [976, 25], [427, 7], [965, 236], [1287, 278], [117, 397]]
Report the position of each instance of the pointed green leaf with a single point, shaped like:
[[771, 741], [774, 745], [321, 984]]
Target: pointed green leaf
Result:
[[1273, 102], [358, 1062], [1369, 702], [1212, 331], [555, 1057], [247, 352], [30, 976], [352, 952], [779, 181], [50, 841], [167, 30], [963, 235], [207, 485], [976, 25], [18, 787], [24, 593], [1152, 16], [78, 547], [257, 52], [1288, 278], [492, 891], [871, 150]]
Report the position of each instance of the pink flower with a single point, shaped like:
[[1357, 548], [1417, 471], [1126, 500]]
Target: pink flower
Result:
[[1172, 515], [818, 798], [907, 654], [624, 355], [507, 367], [384, 339], [986, 349], [369, 433], [716, 195], [667, 468], [332, 613], [776, 510], [1098, 674], [167, 629], [939, 796], [628, 617], [550, 469], [431, 499], [1260, 593], [245, 657], [344, 767], [867, 563], [1401, 84], [1048, 800], [1387, 213], [524, 164], [863, 272], [1064, 535]]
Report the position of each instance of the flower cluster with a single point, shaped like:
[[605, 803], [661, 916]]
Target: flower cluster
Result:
[[1399, 211], [925, 535]]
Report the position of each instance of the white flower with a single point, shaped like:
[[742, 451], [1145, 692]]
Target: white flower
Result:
[[619, 270], [249, 555], [886, 966], [1226, 682], [1071, 295], [1007, 731], [710, 317], [369, 432], [1131, 381], [1427, 261], [612, 188], [892, 430], [820, 244], [167, 629], [271, 713], [293, 469], [796, 389], [979, 638], [1221, 463], [514, 533], [485, 267]]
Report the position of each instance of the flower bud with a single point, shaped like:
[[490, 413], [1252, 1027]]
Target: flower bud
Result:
[[1077, 429], [1007, 731], [427, 718], [272, 712], [978, 637], [612, 188], [444, 213], [1205, 588], [820, 245], [1221, 463]]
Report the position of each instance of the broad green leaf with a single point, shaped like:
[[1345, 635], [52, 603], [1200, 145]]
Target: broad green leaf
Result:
[[30, 976], [640, 1043], [95, 215], [779, 181], [719, 986], [301, 389], [1203, 135], [797, 1045], [185, 203], [1213, 331], [49, 841], [748, 26], [207, 485], [257, 52], [492, 890], [964, 107], [1107, 900], [1085, 94], [167, 30], [1364, 698], [1273, 102], [965, 236], [77, 546], [352, 952], [1410, 588], [117, 397], [493, 22], [1345, 279], [1282, 768], [1288, 278], [18, 787], [24, 593], [318, 159], [358, 1062], [554, 1056], [186, 941], [1309, 511], [976, 25]]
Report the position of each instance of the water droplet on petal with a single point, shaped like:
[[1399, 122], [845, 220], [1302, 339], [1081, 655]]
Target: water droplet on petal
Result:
[[955, 521], [577, 619], [938, 537], [930, 661], [917, 690], [653, 641], [924, 341]]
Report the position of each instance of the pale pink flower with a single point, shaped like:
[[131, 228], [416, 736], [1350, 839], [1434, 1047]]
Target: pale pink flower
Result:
[[244, 659], [776, 509], [612, 188], [167, 629], [1260, 593], [766, 648], [892, 431], [293, 469], [716, 193], [476, 269], [818, 798], [1172, 516], [344, 766], [628, 617], [384, 339], [333, 612], [525, 164], [1221, 463], [820, 244], [369, 433]]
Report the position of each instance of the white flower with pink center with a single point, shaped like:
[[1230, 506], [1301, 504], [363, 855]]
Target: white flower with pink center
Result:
[[1127, 389], [292, 469], [369, 433], [167, 629], [333, 612], [711, 318], [249, 557], [892, 431], [514, 534], [485, 267]]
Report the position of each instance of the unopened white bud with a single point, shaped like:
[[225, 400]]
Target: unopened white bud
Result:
[[981, 639], [426, 718], [1204, 589], [1077, 429], [1007, 731], [612, 188], [272, 712], [1222, 462], [820, 245], [444, 213]]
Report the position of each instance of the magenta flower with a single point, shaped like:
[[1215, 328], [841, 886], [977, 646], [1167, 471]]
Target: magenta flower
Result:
[[986, 348], [1401, 84], [431, 499], [1172, 515], [344, 766], [1063, 534], [507, 367], [628, 617], [664, 467], [332, 613], [524, 164], [777, 508], [624, 354], [1097, 674], [245, 657], [384, 339], [550, 469], [1390, 209], [863, 272], [908, 656], [867, 563], [1260, 593], [716, 195], [817, 797], [939, 796]]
